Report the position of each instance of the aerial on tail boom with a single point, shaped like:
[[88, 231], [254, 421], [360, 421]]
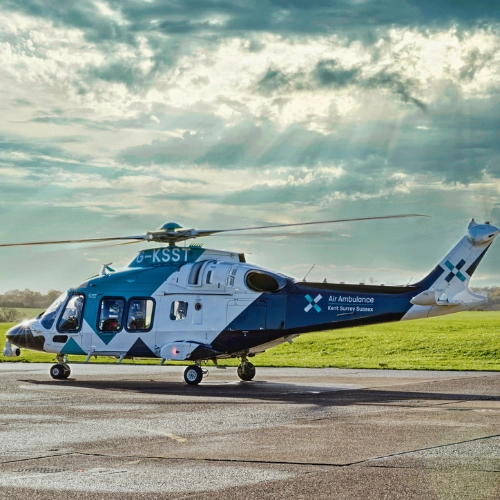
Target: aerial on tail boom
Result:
[[192, 304]]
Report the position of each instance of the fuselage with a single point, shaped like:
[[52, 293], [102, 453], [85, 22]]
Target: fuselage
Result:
[[188, 303], [210, 298]]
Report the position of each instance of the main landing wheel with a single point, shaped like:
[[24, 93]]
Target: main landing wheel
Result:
[[60, 371], [246, 371], [193, 375]]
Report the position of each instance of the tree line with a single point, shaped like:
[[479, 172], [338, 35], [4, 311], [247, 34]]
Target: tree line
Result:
[[493, 293], [28, 298], [11, 301]]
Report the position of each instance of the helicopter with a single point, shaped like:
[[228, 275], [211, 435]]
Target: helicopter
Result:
[[187, 303]]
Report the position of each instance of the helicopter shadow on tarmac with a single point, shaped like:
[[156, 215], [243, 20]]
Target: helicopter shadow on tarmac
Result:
[[320, 395]]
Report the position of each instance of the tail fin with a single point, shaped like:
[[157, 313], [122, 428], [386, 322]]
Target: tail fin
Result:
[[446, 288]]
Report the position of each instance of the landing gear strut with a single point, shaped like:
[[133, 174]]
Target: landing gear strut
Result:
[[61, 370], [246, 371]]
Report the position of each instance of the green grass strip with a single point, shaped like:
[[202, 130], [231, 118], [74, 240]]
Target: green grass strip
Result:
[[464, 341]]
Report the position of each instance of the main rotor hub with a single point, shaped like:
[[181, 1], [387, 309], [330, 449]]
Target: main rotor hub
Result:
[[171, 226], [171, 233]]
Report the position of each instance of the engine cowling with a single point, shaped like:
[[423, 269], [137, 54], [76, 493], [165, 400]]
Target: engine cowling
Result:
[[263, 281]]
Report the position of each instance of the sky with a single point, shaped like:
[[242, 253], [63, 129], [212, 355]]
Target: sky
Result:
[[119, 116]]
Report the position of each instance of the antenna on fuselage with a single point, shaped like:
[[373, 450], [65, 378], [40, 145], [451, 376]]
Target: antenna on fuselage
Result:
[[105, 267], [308, 272]]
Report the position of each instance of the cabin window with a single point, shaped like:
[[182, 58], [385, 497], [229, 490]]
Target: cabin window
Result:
[[140, 314], [72, 316], [178, 310], [111, 314]]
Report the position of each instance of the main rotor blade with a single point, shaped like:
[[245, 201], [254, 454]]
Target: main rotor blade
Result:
[[120, 244], [162, 236], [272, 234], [87, 240], [398, 216]]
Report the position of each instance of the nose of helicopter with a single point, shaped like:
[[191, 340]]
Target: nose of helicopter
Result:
[[22, 336]]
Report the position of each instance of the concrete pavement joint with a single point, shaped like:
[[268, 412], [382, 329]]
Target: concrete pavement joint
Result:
[[267, 462], [37, 458], [283, 462], [430, 448], [216, 460]]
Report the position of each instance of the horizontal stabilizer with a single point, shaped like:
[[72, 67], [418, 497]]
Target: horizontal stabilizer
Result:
[[443, 300], [434, 298]]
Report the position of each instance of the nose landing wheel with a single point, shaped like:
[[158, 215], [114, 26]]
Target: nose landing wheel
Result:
[[60, 371]]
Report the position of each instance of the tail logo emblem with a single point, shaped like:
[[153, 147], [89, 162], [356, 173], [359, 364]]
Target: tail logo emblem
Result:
[[455, 271], [313, 303]]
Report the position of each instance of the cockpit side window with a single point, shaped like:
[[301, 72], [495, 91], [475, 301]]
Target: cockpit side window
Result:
[[72, 316], [49, 316]]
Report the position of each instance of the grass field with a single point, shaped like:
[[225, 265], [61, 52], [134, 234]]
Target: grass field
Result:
[[464, 341]]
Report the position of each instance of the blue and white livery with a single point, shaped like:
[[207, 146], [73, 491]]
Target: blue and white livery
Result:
[[192, 304]]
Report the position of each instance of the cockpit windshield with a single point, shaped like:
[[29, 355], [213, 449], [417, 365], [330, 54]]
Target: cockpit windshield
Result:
[[49, 316]]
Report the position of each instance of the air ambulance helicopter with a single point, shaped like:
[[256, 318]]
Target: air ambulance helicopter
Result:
[[199, 305]]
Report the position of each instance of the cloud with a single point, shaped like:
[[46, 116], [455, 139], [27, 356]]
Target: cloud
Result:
[[328, 74], [249, 112], [22, 102], [85, 15], [274, 80], [67, 121], [445, 148], [103, 22]]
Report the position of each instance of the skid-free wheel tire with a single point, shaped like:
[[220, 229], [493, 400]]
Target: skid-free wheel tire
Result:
[[246, 371], [57, 371], [193, 375]]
